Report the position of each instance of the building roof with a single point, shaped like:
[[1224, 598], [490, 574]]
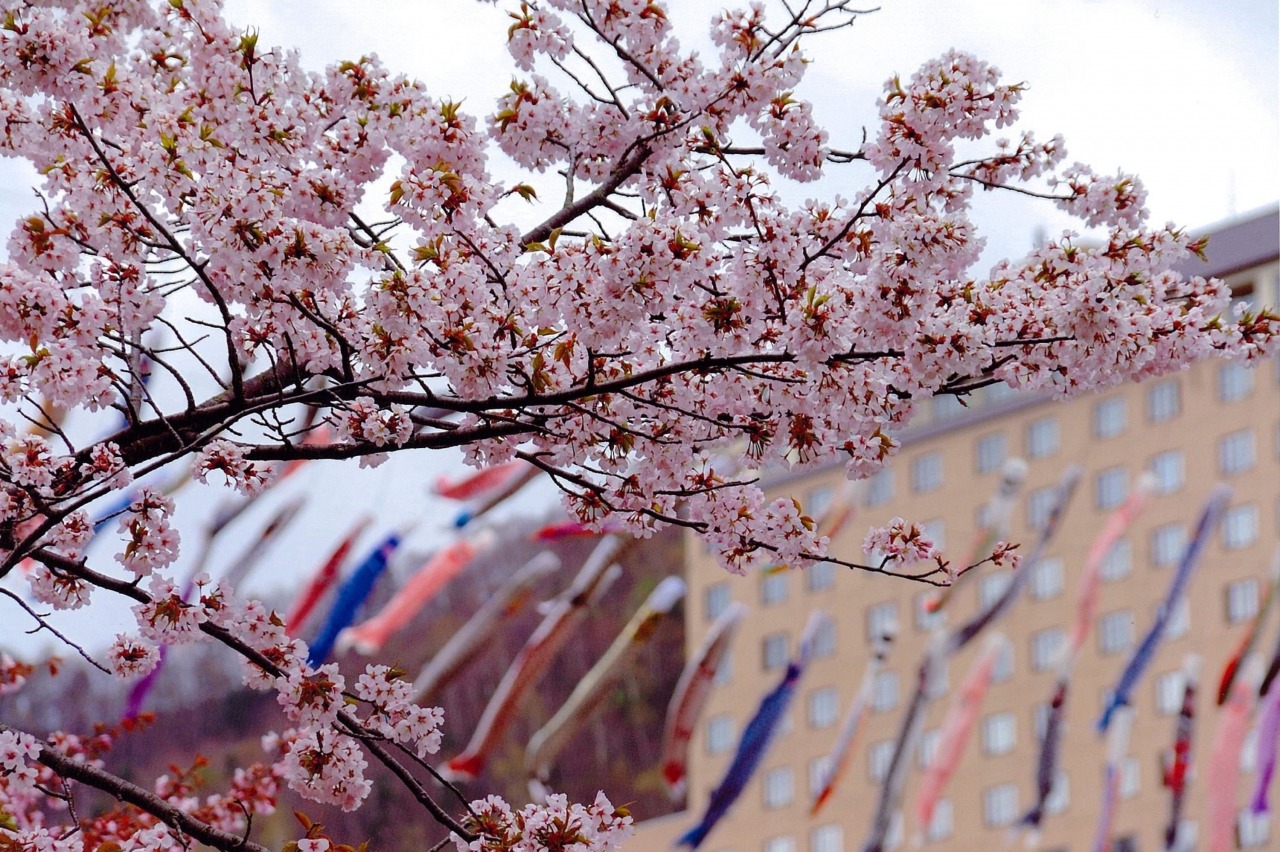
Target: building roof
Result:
[[1251, 240]]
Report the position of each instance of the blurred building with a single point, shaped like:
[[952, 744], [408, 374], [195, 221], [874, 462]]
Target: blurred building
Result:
[[1216, 422]]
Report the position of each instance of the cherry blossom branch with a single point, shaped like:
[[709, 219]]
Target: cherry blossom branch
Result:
[[125, 791]]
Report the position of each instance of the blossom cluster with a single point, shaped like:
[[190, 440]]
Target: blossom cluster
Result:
[[225, 457], [900, 543], [554, 825], [150, 540]]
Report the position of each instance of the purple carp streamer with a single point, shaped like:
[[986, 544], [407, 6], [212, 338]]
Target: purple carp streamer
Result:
[[1117, 746], [1047, 762], [1265, 759], [462, 647], [1176, 765], [691, 694], [756, 739], [842, 751], [540, 649], [905, 745], [964, 634], [1146, 649], [587, 696]]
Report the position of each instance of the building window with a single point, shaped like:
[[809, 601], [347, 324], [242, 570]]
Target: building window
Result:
[[820, 576], [926, 473], [1240, 526], [824, 639], [936, 532], [1254, 830], [1118, 561], [1040, 719], [1042, 437], [999, 734], [882, 620], [1164, 401], [1180, 622], [824, 707], [819, 771], [779, 787], [880, 487], [1059, 798], [1003, 668], [1110, 487], [724, 671], [716, 598], [884, 691], [879, 756], [1130, 777], [999, 805], [1046, 646], [818, 501], [1167, 544], [780, 844], [1108, 417], [1115, 631], [776, 651], [827, 838], [1169, 688], [1046, 579], [992, 586], [1168, 471], [927, 750], [942, 823], [719, 733], [773, 588], [1039, 505], [991, 451], [1236, 452], [1235, 381], [1242, 600]]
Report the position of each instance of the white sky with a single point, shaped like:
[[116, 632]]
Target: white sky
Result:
[[1180, 92]]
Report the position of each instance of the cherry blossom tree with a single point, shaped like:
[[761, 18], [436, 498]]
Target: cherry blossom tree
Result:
[[339, 258]]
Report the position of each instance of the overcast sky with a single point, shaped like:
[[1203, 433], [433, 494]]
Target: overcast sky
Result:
[[1180, 92]]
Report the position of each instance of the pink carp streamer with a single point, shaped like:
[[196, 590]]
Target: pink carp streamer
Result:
[[323, 579], [956, 727], [1250, 638], [478, 631], [369, 637], [691, 694], [1265, 758], [965, 633], [1144, 653], [756, 738], [1012, 476], [587, 696], [839, 759], [1176, 764], [1091, 578], [488, 499], [1117, 746], [472, 485], [905, 745], [556, 628], [1224, 762]]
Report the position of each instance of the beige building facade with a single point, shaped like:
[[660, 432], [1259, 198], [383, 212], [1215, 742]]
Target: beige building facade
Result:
[[1218, 422]]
